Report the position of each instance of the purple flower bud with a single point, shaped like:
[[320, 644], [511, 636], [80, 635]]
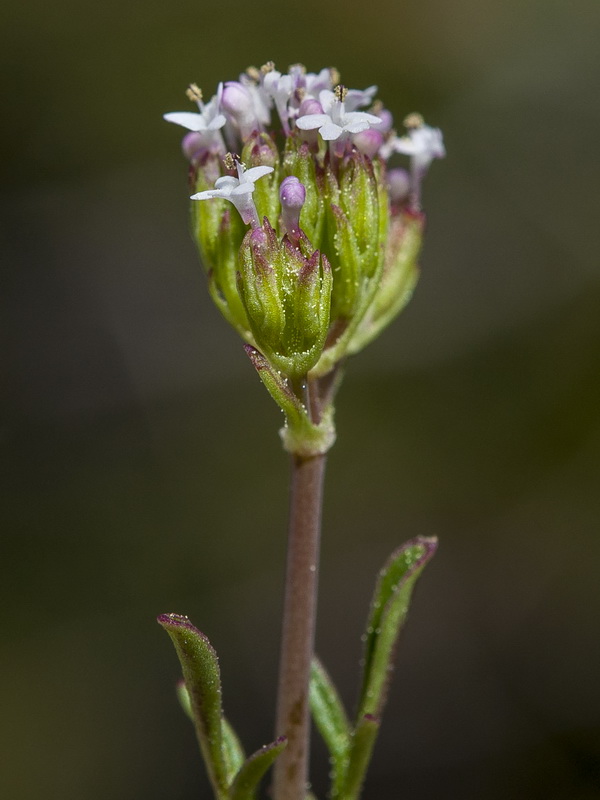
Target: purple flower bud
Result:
[[368, 142], [387, 121], [292, 194], [191, 144], [398, 181], [264, 155], [237, 103], [236, 99], [310, 106]]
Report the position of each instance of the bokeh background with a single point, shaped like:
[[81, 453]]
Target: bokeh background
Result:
[[143, 471]]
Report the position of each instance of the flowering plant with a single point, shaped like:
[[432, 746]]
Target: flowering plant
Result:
[[316, 257]]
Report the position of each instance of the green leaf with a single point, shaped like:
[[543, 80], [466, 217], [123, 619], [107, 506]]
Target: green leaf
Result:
[[202, 678], [233, 752], [389, 608], [360, 754], [331, 720], [252, 770]]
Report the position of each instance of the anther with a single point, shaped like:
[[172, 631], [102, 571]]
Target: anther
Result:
[[414, 121], [194, 93], [229, 160], [340, 92], [268, 67]]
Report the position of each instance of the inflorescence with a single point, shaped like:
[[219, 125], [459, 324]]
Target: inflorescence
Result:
[[323, 252]]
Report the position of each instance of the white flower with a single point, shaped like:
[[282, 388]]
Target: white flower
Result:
[[260, 101], [335, 121], [238, 191], [279, 88], [423, 144], [208, 120]]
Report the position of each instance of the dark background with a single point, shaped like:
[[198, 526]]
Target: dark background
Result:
[[143, 471]]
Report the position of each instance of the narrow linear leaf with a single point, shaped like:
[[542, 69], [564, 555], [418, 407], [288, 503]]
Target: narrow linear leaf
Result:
[[360, 755], [202, 678], [331, 720], [252, 770], [389, 608], [233, 752]]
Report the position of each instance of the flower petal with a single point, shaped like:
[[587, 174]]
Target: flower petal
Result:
[[189, 120], [217, 122], [253, 174], [311, 121], [208, 195], [406, 146], [243, 188], [356, 127], [331, 131], [227, 183], [362, 116]]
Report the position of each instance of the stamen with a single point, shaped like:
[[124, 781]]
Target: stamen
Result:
[[414, 120], [194, 93], [253, 73], [268, 67], [334, 74], [229, 159], [340, 92]]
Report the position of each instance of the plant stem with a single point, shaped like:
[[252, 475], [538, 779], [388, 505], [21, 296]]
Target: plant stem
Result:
[[299, 614]]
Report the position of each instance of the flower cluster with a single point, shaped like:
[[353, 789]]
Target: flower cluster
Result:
[[330, 254]]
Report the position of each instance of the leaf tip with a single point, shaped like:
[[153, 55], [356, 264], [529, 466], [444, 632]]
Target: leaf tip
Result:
[[179, 620], [174, 623], [372, 719]]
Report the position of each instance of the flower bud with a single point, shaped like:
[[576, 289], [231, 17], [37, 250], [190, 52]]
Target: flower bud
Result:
[[387, 121], [192, 144], [292, 194], [310, 106], [398, 181], [236, 101], [368, 142]]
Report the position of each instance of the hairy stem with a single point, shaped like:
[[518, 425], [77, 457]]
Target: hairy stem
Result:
[[297, 645]]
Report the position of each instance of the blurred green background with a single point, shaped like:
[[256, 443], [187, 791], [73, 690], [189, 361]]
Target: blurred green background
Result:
[[143, 471]]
